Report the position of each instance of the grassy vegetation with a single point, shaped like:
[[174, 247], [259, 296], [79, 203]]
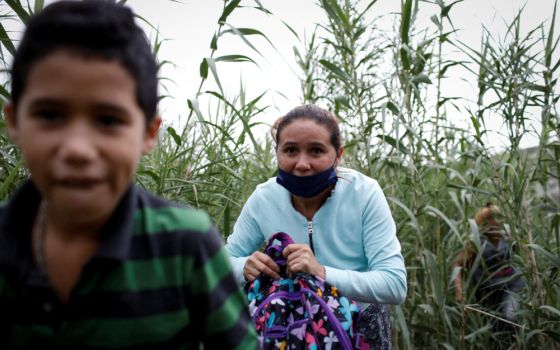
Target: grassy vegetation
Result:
[[389, 88]]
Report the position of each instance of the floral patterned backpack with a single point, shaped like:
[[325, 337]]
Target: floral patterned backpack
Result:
[[303, 312]]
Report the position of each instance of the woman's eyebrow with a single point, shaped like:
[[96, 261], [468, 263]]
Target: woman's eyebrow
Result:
[[316, 144]]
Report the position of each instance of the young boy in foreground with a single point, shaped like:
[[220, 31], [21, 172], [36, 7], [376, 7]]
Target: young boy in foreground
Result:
[[87, 259]]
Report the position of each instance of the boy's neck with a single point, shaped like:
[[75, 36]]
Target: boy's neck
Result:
[[63, 250], [71, 228]]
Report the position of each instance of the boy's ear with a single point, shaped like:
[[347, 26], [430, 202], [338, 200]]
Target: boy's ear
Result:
[[152, 133], [11, 122]]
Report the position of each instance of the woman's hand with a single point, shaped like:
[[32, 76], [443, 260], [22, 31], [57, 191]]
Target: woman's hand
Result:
[[258, 263], [301, 259]]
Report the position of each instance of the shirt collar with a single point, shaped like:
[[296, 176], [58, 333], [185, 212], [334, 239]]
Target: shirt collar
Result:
[[16, 222], [116, 234], [18, 215]]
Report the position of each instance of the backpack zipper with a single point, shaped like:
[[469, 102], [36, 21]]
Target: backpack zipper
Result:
[[310, 234]]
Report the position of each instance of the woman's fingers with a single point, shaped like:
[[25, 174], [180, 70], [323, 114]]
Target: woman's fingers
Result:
[[300, 258], [259, 263], [296, 250]]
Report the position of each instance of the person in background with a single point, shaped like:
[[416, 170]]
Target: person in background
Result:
[[87, 259], [496, 280], [339, 219]]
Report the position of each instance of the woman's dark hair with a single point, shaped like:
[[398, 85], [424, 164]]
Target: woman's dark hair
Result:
[[92, 28], [309, 112]]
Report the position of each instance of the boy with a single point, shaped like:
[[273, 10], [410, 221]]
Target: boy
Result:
[[86, 258]]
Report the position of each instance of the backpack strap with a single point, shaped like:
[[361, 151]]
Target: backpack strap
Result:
[[275, 250]]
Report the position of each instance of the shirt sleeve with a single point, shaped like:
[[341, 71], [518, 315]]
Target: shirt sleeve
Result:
[[221, 306], [246, 237], [385, 282]]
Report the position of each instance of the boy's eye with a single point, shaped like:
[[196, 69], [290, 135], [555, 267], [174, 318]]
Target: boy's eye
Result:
[[48, 115], [110, 120]]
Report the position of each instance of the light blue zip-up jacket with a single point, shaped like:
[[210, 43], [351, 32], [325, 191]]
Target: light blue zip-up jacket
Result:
[[353, 236]]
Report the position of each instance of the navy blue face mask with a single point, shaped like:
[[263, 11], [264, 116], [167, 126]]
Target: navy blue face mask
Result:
[[307, 186]]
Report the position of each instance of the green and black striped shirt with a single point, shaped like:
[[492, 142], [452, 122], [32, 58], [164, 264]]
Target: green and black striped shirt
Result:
[[160, 279]]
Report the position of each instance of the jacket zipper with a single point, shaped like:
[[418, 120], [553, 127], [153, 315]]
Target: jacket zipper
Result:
[[310, 234]]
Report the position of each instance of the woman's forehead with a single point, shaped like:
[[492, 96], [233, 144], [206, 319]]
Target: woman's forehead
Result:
[[304, 130]]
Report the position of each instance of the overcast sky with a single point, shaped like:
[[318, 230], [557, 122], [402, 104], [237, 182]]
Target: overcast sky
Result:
[[188, 28], [188, 25]]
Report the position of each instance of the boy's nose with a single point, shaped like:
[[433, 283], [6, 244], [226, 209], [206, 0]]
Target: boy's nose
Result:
[[77, 147]]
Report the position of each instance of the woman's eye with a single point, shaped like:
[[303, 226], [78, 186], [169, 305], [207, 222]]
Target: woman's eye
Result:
[[290, 150], [317, 151]]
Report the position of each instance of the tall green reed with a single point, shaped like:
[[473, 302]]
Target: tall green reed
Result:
[[218, 157], [435, 173], [12, 13]]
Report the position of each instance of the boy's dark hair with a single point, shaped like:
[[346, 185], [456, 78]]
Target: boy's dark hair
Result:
[[93, 28]]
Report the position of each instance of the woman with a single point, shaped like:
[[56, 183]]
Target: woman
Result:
[[339, 218]]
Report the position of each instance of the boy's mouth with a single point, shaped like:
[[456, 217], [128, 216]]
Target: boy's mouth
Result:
[[78, 183]]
